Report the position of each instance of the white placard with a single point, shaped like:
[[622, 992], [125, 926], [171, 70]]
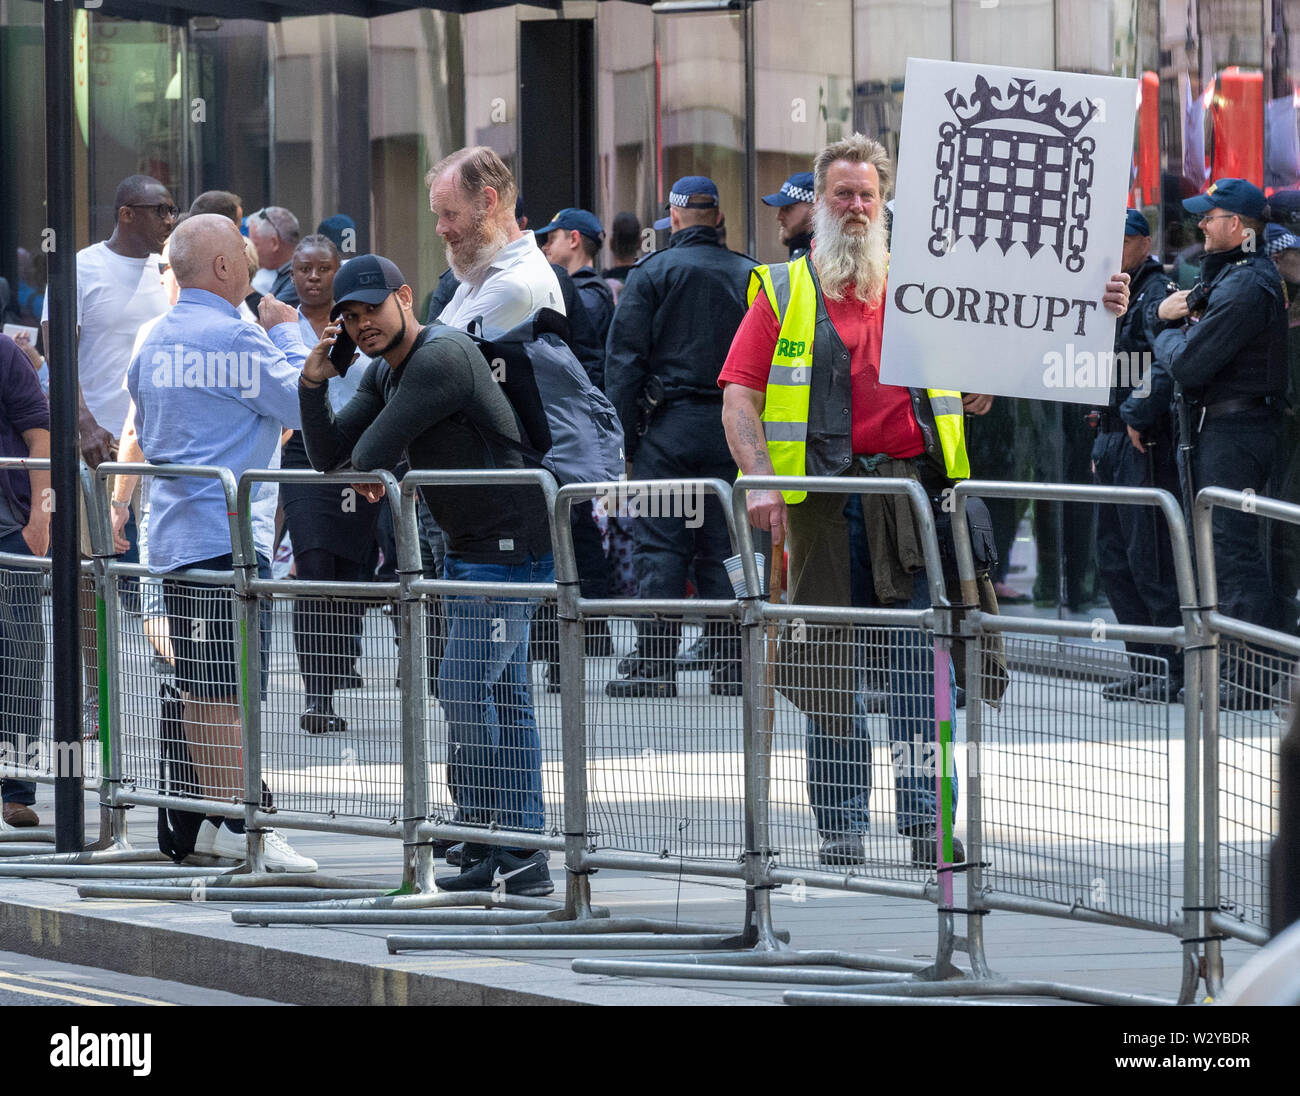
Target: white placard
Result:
[[1008, 221]]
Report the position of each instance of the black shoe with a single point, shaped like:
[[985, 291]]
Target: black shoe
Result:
[[522, 875], [320, 718], [841, 849], [455, 854], [1160, 692], [643, 680], [1125, 689], [441, 847], [526, 875], [599, 643], [925, 851], [726, 680], [475, 862], [695, 657]]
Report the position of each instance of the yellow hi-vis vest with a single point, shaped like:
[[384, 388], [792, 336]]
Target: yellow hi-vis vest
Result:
[[792, 293]]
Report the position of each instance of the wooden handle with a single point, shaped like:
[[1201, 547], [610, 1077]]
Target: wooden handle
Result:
[[776, 573]]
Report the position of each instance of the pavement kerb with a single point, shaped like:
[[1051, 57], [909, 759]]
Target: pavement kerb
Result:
[[198, 944]]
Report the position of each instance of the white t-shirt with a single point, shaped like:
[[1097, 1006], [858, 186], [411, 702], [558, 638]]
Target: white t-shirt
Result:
[[264, 279], [115, 295], [519, 282]]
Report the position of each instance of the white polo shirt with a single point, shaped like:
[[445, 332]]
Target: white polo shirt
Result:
[[518, 284], [115, 295]]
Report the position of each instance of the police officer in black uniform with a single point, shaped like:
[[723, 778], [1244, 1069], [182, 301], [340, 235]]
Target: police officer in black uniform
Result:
[[675, 320], [794, 212], [1225, 344], [1135, 448]]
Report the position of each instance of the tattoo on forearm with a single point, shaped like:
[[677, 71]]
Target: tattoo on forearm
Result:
[[750, 437]]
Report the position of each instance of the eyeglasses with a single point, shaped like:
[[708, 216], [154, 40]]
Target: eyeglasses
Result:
[[165, 211], [1216, 217]]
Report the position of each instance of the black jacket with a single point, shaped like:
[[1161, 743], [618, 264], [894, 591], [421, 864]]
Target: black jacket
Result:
[[1143, 389], [599, 300], [675, 320], [1238, 347]]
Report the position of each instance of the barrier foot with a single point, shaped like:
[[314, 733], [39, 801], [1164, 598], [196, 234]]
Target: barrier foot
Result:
[[26, 833], [206, 889], [729, 972], [115, 855], [113, 871], [998, 987], [356, 912], [495, 939]]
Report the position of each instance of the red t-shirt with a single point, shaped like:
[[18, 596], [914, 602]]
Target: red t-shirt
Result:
[[882, 418]]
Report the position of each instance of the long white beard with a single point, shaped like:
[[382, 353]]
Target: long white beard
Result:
[[491, 239], [843, 260]]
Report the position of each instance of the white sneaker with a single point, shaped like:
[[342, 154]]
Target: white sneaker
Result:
[[227, 843], [204, 842], [279, 855]]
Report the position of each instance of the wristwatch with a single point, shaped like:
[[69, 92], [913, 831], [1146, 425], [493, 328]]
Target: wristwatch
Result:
[[121, 504]]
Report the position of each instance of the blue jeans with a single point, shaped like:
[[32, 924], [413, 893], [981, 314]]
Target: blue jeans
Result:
[[495, 763], [22, 666], [839, 767]]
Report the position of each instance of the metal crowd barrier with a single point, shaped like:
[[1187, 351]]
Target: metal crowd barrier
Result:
[[629, 789], [1067, 808], [144, 709], [807, 647], [1067, 811], [27, 707], [1256, 668]]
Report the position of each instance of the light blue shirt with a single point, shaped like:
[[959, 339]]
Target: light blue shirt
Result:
[[209, 388]]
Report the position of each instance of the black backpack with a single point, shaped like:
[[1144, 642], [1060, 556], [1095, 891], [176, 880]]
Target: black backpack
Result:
[[177, 830], [566, 423]]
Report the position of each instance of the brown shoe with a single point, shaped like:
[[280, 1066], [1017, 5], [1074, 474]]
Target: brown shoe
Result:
[[19, 814]]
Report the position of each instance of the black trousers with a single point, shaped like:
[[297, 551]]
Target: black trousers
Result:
[[1134, 553], [326, 632], [676, 533]]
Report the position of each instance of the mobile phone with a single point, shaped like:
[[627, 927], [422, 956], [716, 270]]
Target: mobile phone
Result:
[[342, 352]]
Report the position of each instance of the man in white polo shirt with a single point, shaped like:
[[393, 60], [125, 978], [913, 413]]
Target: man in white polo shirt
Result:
[[504, 277], [119, 288]]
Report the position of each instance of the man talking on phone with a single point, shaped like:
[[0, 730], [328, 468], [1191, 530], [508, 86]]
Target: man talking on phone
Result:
[[429, 397]]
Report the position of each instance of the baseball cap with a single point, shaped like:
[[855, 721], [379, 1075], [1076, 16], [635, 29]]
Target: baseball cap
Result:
[[797, 188], [1233, 195], [368, 278], [1135, 224], [689, 192], [1277, 238], [580, 219]]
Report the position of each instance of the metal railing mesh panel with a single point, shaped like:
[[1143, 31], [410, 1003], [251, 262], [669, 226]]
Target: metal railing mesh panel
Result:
[[1075, 790], [331, 720], [492, 714], [157, 620], [1257, 685], [864, 723], [27, 747], [665, 774]]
